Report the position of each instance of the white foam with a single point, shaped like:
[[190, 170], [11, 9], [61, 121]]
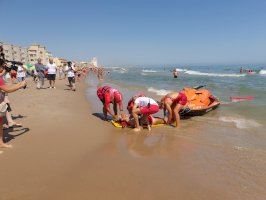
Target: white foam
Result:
[[158, 92], [143, 74], [149, 71], [120, 70], [213, 74], [262, 72], [240, 123], [180, 70]]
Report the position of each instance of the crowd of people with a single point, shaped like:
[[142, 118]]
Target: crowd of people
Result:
[[13, 77]]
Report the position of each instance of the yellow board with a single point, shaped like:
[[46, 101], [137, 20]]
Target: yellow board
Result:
[[118, 125]]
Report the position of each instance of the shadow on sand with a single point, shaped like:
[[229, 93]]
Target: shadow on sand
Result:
[[18, 117], [101, 116], [17, 130]]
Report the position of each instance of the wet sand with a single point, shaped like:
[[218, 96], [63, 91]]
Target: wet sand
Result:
[[68, 153]]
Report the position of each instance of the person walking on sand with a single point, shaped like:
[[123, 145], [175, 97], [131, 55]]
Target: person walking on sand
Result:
[[21, 73], [144, 106], [61, 72], [173, 103], [70, 69], [40, 71], [52, 69], [109, 95]]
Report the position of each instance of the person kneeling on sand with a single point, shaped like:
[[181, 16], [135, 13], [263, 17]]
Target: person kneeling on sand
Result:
[[145, 106], [109, 95], [3, 107], [173, 103]]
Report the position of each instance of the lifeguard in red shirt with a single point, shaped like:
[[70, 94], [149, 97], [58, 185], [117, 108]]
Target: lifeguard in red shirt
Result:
[[109, 95]]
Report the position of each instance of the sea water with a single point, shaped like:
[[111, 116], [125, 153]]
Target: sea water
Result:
[[228, 143]]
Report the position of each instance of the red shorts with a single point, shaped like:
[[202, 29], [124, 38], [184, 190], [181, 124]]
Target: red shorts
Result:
[[150, 119], [181, 99], [13, 75], [149, 110]]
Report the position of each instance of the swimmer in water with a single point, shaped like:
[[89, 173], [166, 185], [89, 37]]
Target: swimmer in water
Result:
[[173, 103], [175, 73]]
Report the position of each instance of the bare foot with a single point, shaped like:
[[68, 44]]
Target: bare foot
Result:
[[136, 129], [14, 124], [3, 145]]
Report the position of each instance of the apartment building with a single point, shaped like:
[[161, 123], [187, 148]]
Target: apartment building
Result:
[[26, 55], [60, 61], [36, 51]]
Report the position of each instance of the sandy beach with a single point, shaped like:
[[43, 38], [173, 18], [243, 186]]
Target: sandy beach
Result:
[[65, 152]]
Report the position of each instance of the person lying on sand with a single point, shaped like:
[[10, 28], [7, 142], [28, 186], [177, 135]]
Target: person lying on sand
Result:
[[144, 106], [109, 95], [127, 121], [173, 103]]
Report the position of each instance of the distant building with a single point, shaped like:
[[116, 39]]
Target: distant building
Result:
[[60, 61], [15, 53], [94, 62], [36, 51]]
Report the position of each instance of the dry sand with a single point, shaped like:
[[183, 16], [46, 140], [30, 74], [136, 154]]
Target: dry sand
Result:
[[67, 153]]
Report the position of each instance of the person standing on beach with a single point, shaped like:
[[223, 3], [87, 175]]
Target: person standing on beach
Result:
[[40, 69], [21, 73], [70, 70], [144, 106], [109, 95], [51, 66], [61, 72], [5, 89]]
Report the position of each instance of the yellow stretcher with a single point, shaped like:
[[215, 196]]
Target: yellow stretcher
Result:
[[118, 124]]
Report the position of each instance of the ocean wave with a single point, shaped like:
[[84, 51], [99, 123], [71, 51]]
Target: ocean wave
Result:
[[180, 70], [240, 123], [213, 74], [262, 72], [118, 69], [158, 92], [143, 74], [149, 71]]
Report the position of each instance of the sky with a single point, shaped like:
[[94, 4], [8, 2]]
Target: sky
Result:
[[140, 32]]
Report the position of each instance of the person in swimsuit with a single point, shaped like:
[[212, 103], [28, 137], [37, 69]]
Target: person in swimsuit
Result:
[[109, 95], [173, 103], [175, 73], [127, 120], [144, 106]]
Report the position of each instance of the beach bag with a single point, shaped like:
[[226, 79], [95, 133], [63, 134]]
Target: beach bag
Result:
[[3, 108]]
